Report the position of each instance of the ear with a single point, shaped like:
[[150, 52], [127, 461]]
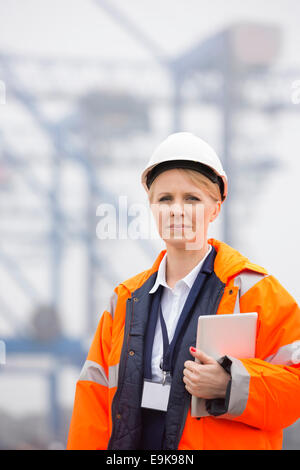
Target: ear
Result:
[[215, 211]]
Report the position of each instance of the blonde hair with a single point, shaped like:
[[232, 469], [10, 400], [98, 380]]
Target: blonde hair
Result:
[[212, 189]]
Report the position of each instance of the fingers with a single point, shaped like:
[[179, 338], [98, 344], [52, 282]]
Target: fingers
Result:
[[194, 373], [190, 374], [191, 365], [201, 356], [189, 385]]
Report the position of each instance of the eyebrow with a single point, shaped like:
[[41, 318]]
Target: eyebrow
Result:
[[185, 194]]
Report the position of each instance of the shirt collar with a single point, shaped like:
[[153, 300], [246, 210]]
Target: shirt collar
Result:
[[161, 276], [188, 279]]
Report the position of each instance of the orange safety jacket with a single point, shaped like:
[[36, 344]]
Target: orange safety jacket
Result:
[[265, 390]]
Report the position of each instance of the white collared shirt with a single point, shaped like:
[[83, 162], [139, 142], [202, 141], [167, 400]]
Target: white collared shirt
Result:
[[172, 302]]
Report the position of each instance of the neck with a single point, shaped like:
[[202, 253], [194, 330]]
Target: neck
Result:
[[180, 262]]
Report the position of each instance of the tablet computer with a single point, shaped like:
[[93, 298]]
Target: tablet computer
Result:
[[232, 334], [219, 335]]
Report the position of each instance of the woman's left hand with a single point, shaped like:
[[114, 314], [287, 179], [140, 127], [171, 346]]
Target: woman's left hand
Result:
[[206, 380]]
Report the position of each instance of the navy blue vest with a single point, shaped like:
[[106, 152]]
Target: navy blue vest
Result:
[[153, 421]]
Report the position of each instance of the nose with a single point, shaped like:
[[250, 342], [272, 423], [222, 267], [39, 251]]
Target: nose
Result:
[[177, 209]]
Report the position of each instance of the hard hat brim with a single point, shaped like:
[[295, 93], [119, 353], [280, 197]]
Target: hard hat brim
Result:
[[148, 175]]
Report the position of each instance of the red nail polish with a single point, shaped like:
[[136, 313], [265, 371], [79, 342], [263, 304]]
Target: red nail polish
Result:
[[193, 349]]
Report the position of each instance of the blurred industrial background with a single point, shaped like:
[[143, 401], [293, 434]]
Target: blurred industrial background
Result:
[[88, 88]]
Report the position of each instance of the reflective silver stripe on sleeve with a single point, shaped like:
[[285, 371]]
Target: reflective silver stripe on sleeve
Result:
[[239, 388], [93, 372], [237, 282], [113, 375], [286, 355], [111, 307], [245, 281]]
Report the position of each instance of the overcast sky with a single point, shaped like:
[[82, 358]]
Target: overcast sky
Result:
[[84, 28]]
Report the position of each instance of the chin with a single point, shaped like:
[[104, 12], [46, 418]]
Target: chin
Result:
[[184, 243]]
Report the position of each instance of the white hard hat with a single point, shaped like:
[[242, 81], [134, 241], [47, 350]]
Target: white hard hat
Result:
[[185, 150]]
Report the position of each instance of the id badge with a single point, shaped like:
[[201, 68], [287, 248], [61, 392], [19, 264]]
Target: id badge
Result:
[[156, 395]]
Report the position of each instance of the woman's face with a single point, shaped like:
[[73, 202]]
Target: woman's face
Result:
[[182, 210]]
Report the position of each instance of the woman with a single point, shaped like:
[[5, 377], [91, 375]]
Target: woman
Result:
[[135, 388]]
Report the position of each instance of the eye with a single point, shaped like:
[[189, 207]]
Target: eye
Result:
[[189, 197], [193, 198]]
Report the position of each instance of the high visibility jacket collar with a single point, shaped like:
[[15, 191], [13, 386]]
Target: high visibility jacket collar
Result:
[[228, 263]]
